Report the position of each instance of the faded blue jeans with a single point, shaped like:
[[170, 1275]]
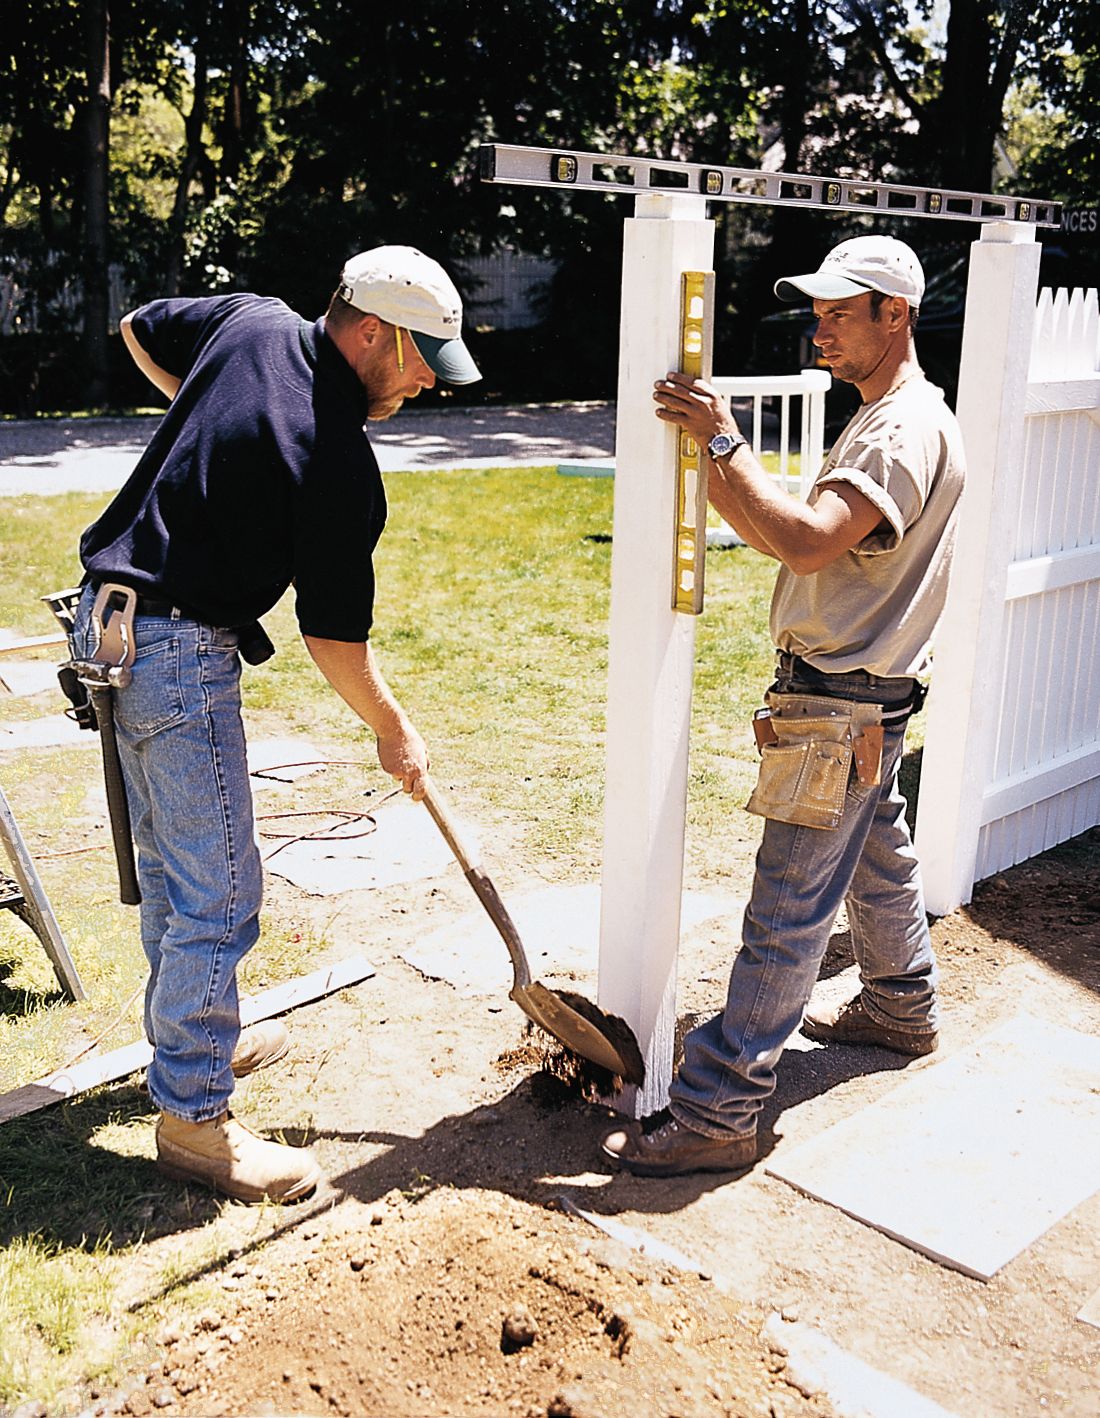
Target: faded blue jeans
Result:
[[182, 746], [803, 874]]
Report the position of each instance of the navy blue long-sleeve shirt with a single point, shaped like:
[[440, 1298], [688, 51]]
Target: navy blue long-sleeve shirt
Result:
[[260, 473]]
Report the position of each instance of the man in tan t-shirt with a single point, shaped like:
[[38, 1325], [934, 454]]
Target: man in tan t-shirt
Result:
[[862, 581]]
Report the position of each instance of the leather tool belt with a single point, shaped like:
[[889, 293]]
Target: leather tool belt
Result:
[[808, 745]]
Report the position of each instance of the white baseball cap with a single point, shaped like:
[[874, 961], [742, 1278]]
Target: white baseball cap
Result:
[[864, 263], [404, 287]]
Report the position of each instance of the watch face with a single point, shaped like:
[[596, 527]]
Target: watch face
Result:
[[720, 445]]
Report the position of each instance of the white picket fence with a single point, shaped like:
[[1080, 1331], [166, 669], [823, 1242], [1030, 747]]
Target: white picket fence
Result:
[[1045, 784], [1012, 755], [809, 387]]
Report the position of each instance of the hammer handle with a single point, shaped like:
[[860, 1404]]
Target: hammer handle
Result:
[[118, 809]]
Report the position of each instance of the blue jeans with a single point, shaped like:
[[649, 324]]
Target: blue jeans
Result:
[[802, 876], [182, 746]]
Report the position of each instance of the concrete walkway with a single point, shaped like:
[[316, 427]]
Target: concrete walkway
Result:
[[45, 456]]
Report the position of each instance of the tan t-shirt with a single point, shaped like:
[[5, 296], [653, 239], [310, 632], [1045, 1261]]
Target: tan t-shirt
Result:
[[876, 607]]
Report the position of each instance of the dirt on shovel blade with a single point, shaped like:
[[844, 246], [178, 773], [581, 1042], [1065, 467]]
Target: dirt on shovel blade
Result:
[[592, 1081]]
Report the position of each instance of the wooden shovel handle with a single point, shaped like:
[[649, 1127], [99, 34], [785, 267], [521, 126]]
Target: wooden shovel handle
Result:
[[486, 892], [446, 823]]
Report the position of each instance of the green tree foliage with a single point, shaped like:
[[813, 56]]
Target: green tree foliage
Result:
[[897, 90], [255, 143], [1065, 158]]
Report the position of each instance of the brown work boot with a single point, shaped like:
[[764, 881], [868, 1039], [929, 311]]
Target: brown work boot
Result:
[[232, 1159], [668, 1148], [259, 1045], [851, 1024]]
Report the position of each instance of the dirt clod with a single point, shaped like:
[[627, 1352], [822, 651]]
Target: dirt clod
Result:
[[590, 1080], [519, 1330]]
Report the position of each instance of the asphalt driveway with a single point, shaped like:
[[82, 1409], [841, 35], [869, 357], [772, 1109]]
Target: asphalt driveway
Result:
[[96, 455]]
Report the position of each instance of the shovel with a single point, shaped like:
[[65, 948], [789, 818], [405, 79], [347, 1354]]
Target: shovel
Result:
[[584, 1028]]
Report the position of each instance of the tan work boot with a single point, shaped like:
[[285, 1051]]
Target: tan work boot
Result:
[[232, 1159], [851, 1024], [259, 1045]]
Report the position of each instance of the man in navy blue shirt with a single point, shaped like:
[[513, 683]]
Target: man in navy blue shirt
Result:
[[259, 476]]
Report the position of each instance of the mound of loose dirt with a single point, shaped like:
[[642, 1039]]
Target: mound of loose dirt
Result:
[[437, 1278], [470, 1303]]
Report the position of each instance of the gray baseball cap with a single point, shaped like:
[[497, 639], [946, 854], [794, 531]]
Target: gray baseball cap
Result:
[[401, 285], [880, 263]]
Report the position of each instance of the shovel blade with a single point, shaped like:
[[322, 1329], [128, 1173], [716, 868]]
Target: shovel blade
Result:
[[571, 1028]]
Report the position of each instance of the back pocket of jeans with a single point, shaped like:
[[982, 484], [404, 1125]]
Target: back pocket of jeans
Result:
[[153, 700]]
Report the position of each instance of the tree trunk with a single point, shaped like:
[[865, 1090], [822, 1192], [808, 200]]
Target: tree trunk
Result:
[[978, 66], [797, 99], [786, 250], [96, 213], [237, 23], [193, 153]]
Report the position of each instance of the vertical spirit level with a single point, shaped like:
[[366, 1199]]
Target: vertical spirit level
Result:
[[696, 349]]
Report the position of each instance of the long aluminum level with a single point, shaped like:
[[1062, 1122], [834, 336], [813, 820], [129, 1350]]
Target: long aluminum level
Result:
[[616, 173]]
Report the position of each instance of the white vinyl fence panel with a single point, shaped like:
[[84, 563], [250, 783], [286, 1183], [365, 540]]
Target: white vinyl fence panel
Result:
[[1012, 751], [1045, 781]]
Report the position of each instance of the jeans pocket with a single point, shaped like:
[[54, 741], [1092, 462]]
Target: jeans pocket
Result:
[[153, 700]]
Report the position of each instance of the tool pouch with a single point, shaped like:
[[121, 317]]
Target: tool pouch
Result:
[[807, 749]]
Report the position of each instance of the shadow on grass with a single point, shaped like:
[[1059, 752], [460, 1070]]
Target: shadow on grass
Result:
[[57, 1182], [15, 1000]]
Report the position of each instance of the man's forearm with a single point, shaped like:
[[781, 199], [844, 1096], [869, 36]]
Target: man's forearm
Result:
[[351, 670], [803, 537], [723, 494], [762, 513]]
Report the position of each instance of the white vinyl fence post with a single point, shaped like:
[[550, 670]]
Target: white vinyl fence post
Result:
[[963, 706], [652, 648]]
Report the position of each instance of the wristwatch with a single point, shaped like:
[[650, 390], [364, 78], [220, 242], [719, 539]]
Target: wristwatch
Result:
[[723, 444]]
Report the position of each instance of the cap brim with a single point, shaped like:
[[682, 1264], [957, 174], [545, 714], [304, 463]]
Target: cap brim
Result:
[[448, 359], [818, 285]]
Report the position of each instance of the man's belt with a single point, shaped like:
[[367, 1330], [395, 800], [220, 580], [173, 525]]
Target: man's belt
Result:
[[162, 610], [790, 663], [253, 644]]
